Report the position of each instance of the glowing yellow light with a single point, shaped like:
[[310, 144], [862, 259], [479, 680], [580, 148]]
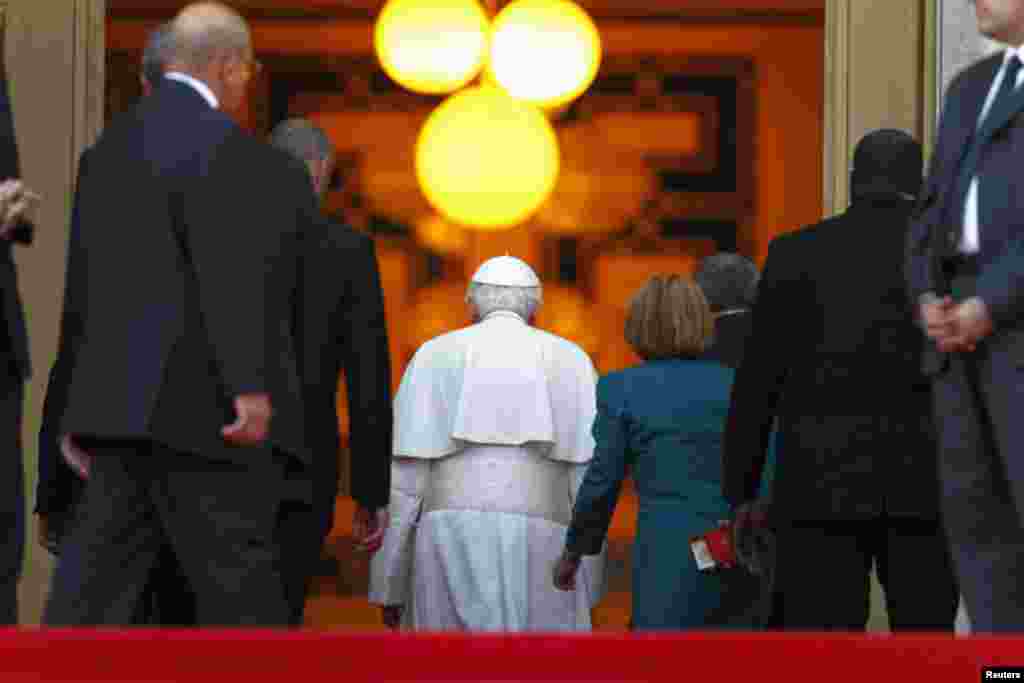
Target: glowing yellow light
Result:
[[486, 160], [431, 46], [546, 52]]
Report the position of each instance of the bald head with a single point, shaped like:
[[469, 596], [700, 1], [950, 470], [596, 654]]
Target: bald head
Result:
[[208, 31], [213, 45]]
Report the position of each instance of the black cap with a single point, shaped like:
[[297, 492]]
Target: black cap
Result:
[[887, 162]]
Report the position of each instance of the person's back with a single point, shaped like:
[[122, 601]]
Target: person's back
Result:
[[352, 320], [834, 361], [176, 347], [491, 439], [676, 411], [854, 393], [142, 338], [661, 422], [858, 314], [144, 295]]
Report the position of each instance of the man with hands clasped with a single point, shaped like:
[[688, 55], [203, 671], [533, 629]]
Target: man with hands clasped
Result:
[[965, 273]]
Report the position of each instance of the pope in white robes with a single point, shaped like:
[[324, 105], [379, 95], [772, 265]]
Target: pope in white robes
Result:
[[491, 441]]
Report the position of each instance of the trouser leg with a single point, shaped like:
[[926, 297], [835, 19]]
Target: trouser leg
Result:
[[221, 519], [107, 557]]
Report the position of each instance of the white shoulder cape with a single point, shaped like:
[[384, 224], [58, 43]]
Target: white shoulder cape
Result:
[[498, 382]]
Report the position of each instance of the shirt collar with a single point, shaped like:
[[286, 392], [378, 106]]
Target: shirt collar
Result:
[[1010, 52], [197, 85], [731, 311], [503, 314]]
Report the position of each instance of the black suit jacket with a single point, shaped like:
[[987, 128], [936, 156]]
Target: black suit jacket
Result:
[[1000, 212], [13, 335], [340, 329], [731, 333], [834, 357], [182, 268]]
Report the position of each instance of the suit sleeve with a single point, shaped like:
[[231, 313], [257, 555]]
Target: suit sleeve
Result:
[[24, 233], [756, 391], [919, 272], [597, 495], [1001, 286], [367, 366], [57, 484], [236, 231]]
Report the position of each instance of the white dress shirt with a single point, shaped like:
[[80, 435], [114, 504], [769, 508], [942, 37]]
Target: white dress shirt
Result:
[[970, 243], [197, 85]]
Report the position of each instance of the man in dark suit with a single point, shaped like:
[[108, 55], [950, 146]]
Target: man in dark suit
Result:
[[181, 271], [965, 271], [729, 283], [834, 359], [15, 201], [59, 487], [341, 329]]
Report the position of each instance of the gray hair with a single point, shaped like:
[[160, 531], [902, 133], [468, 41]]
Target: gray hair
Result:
[[208, 31], [303, 139], [158, 54], [486, 299], [729, 281]]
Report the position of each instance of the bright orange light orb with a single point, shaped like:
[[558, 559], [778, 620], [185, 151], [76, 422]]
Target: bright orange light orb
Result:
[[546, 52], [486, 160], [431, 46]]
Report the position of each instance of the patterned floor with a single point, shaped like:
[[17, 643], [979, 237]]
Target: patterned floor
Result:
[[339, 592]]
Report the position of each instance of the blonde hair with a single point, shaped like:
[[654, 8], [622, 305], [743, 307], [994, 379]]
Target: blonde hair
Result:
[[669, 318]]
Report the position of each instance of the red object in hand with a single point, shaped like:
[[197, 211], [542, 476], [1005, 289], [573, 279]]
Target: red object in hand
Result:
[[714, 550]]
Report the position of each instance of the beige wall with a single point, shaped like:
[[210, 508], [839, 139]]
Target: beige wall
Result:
[[877, 76]]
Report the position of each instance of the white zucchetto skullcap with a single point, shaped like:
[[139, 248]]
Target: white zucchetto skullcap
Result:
[[506, 271]]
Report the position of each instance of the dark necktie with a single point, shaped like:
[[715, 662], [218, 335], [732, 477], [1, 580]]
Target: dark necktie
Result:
[[969, 166]]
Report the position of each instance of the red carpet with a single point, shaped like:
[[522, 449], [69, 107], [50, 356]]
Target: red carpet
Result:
[[257, 656]]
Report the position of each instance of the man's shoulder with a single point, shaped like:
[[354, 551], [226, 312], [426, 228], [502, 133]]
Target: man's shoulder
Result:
[[558, 342], [985, 66], [284, 162], [787, 242], [567, 352], [344, 237], [343, 250], [438, 351], [983, 69]]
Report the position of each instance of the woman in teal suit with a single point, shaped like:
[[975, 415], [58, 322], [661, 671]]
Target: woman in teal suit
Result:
[[662, 421]]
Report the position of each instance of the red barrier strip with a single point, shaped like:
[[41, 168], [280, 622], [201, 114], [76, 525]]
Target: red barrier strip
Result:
[[214, 656]]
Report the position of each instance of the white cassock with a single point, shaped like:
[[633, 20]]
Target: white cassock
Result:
[[492, 438]]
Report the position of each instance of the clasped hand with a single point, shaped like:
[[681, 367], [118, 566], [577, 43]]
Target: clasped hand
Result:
[[956, 326], [15, 202]]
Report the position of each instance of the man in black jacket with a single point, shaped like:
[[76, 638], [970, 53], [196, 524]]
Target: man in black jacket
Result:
[[834, 358], [14, 370], [15, 201], [340, 329], [166, 599], [181, 270], [729, 283]]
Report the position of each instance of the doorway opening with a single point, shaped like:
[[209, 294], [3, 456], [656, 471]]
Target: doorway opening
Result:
[[703, 132]]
